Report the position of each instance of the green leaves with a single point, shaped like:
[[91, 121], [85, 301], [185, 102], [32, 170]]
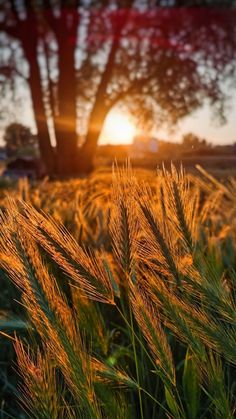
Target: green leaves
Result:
[[191, 385], [13, 324], [173, 405]]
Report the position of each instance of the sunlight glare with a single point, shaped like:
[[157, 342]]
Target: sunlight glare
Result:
[[118, 129]]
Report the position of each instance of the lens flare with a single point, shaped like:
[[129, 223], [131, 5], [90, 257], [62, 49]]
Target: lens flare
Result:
[[118, 129]]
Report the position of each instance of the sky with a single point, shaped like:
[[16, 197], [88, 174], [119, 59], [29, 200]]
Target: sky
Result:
[[119, 129], [202, 124], [199, 123]]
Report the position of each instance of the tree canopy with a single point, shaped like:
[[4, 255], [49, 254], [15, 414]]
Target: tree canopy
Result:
[[84, 57], [19, 140]]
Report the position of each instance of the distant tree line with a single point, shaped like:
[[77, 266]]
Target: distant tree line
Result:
[[20, 142]]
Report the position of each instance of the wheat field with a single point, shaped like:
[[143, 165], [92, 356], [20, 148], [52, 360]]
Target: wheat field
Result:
[[125, 283]]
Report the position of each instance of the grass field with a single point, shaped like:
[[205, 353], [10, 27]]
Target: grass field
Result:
[[119, 297]]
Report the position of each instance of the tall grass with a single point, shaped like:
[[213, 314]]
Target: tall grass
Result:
[[130, 293]]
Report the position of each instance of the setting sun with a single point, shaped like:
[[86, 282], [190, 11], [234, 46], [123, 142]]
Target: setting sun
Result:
[[118, 129]]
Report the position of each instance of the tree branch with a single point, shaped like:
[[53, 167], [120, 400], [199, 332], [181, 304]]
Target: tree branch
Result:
[[8, 71]]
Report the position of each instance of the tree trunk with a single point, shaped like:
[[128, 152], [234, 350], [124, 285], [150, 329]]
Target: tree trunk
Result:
[[100, 108], [45, 147], [26, 32], [65, 121], [88, 150]]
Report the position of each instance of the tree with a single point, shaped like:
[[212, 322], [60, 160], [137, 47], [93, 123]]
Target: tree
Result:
[[192, 141], [85, 57], [18, 139]]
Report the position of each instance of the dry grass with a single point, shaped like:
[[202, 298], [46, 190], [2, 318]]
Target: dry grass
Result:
[[130, 292]]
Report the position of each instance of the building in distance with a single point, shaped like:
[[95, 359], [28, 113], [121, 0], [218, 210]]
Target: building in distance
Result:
[[144, 145]]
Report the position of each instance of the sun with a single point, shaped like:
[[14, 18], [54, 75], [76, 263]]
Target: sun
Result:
[[118, 129]]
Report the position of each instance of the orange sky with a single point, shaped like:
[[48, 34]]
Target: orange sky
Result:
[[200, 123], [119, 129]]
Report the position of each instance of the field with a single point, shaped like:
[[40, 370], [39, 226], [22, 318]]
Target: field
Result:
[[118, 296]]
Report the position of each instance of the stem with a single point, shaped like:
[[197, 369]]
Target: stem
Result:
[[155, 400], [136, 362], [138, 339], [136, 365], [154, 408]]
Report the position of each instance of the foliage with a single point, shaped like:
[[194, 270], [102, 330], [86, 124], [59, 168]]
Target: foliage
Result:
[[128, 292], [193, 141], [159, 60], [19, 140]]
